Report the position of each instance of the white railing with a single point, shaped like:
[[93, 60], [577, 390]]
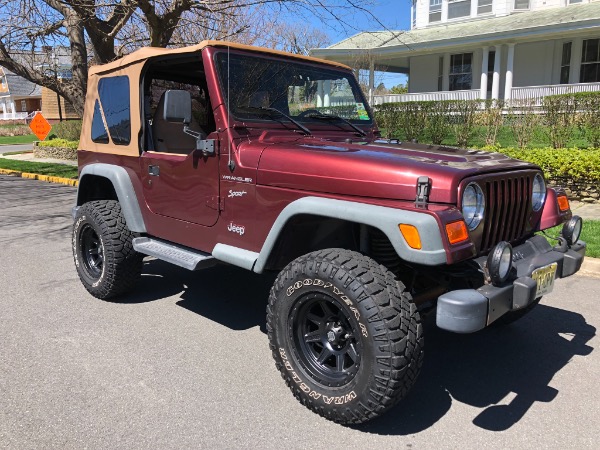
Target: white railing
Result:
[[470, 94], [13, 116], [534, 94]]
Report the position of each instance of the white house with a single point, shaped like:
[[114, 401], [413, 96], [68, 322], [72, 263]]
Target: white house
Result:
[[498, 49], [18, 97]]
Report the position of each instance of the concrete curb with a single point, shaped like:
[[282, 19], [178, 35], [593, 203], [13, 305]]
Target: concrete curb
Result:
[[590, 267], [36, 176]]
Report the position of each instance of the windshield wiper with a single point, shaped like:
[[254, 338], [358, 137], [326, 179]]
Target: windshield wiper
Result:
[[281, 113], [334, 117]]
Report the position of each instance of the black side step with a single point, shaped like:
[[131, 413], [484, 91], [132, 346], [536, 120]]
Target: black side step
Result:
[[173, 253]]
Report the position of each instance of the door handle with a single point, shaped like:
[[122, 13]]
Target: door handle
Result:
[[154, 170]]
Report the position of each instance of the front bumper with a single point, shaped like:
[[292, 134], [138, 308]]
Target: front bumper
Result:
[[470, 310]]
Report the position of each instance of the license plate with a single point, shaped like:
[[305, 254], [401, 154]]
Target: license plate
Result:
[[544, 276]]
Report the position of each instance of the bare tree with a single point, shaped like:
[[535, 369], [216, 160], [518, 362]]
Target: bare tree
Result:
[[99, 31]]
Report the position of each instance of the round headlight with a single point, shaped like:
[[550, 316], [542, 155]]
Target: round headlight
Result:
[[572, 230], [499, 263], [473, 205], [539, 192]]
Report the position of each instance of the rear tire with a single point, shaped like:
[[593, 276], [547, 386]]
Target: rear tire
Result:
[[345, 336], [105, 260]]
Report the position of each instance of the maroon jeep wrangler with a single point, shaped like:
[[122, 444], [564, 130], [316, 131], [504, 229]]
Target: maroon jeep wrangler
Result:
[[273, 162]]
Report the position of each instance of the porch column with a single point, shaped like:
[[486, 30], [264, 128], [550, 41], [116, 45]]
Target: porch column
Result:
[[371, 80], [319, 93], [484, 73], [508, 81], [575, 63], [474, 4], [496, 78], [326, 92], [446, 72]]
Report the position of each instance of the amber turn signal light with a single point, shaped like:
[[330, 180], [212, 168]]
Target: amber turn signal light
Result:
[[563, 202], [457, 232], [411, 235]]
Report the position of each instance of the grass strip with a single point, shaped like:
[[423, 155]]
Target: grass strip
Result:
[[51, 169], [590, 234], [14, 140]]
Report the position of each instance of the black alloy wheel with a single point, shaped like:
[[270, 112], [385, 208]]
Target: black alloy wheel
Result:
[[324, 335], [92, 251]]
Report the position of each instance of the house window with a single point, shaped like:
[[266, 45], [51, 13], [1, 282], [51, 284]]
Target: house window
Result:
[[23, 105], [565, 63], [490, 70], [459, 8], [435, 10], [484, 7], [461, 71], [574, 1], [521, 4], [590, 61], [413, 13], [441, 73]]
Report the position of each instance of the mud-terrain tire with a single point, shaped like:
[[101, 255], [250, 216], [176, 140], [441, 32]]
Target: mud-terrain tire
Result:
[[345, 336], [512, 316], [106, 262]]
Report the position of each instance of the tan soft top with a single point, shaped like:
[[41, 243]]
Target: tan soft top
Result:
[[149, 52]]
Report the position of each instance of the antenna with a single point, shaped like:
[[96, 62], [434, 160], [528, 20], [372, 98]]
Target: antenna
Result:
[[230, 163]]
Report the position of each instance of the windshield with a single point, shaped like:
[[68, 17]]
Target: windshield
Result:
[[298, 90]]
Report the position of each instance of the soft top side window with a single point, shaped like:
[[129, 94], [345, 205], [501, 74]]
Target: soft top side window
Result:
[[113, 111]]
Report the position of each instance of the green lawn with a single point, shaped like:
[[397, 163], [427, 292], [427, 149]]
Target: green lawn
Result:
[[55, 170], [11, 140], [590, 234]]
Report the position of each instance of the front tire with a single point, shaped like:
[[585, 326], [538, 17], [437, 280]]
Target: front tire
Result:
[[105, 260], [344, 335]]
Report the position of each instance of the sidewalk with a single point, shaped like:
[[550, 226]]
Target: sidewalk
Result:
[[29, 157]]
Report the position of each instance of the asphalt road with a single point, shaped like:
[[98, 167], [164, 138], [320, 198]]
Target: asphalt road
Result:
[[186, 364], [15, 148]]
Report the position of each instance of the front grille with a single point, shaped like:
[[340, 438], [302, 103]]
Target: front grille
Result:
[[508, 204]]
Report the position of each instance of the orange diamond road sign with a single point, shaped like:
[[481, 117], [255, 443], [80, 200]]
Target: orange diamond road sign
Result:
[[40, 126]]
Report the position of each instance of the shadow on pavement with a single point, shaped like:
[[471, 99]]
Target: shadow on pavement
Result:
[[482, 369], [502, 370], [233, 297]]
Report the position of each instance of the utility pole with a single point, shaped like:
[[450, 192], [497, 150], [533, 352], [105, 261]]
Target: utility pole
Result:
[[55, 64]]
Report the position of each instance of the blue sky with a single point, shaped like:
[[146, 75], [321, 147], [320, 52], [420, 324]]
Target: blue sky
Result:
[[394, 14]]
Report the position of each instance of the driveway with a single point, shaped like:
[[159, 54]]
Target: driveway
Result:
[[185, 362]]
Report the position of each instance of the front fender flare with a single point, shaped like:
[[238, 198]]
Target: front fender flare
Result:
[[381, 217]]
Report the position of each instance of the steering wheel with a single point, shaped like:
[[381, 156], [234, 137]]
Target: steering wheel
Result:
[[309, 111]]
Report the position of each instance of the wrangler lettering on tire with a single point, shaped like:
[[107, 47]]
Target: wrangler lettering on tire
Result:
[[344, 335]]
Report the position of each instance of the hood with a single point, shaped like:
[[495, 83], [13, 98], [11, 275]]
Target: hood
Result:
[[375, 169]]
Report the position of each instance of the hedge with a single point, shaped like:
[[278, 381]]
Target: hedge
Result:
[[63, 143], [566, 119]]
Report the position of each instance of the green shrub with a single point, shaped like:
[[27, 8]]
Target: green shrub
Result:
[[438, 121], [490, 120], [464, 120], [560, 118], [69, 130], [572, 163], [15, 130], [61, 143], [588, 117]]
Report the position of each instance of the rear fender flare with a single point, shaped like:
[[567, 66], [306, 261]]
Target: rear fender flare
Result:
[[123, 186]]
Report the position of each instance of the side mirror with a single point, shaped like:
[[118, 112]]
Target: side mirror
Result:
[[178, 107]]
